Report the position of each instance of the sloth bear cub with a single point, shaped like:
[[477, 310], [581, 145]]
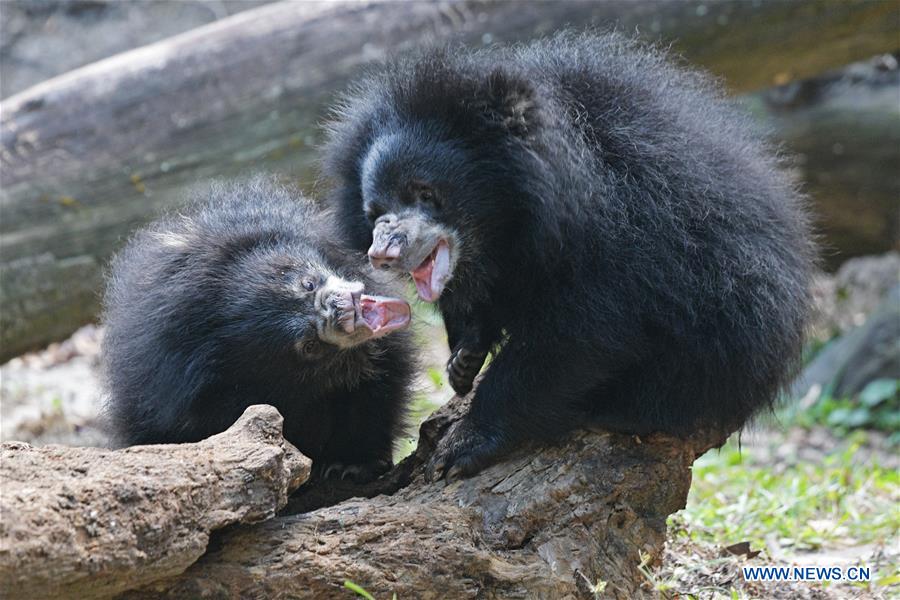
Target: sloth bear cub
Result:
[[597, 217], [245, 298]]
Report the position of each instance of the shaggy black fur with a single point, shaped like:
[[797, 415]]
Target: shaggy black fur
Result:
[[206, 313], [624, 242]]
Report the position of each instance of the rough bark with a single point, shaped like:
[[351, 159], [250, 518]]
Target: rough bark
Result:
[[90, 522], [548, 522], [87, 156]]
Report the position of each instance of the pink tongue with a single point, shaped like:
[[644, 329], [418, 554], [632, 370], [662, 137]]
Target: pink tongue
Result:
[[422, 278], [383, 315], [431, 276]]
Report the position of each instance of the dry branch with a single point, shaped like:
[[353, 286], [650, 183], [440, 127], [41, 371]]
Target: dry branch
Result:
[[90, 522]]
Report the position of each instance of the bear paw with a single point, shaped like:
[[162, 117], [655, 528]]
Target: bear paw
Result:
[[357, 472], [463, 451], [463, 366]]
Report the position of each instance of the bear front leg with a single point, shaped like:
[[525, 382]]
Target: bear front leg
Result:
[[367, 421], [469, 344], [526, 394], [462, 368]]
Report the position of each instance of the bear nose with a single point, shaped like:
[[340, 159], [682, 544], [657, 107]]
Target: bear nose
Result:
[[383, 256], [338, 293], [388, 242], [344, 298]]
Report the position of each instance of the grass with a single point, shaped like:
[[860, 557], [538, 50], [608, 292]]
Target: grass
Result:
[[422, 406], [423, 312], [436, 377], [842, 501], [358, 590], [429, 331], [846, 503], [876, 407], [361, 591]]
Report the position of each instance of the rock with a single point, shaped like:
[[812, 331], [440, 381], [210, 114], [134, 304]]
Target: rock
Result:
[[852, 361], [845, 300]]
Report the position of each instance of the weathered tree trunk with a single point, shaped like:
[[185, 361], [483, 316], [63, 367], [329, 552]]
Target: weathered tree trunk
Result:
[[87, 156], [90, 523], [547, 523]]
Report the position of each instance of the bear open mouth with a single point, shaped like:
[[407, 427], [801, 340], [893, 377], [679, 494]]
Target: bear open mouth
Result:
[[431, 276], [382, 315]]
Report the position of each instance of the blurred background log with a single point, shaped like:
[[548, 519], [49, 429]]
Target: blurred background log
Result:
[[40, 39], [843, 132], [89, 155]]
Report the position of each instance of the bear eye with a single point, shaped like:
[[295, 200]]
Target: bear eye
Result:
[[373, 211], [308, 284], [310, 347], [425, 194]]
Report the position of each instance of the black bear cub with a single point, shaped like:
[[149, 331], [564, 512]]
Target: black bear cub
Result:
[[246, 298], [597, 217]]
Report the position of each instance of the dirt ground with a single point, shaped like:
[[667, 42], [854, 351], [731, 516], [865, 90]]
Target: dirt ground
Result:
[[53, 396]]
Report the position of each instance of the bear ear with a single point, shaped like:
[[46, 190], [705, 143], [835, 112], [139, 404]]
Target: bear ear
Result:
[[508, 102]]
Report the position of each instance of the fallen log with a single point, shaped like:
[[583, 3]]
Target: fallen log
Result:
[[842, 130], [90, 522], [87, 156], [554, 522]]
